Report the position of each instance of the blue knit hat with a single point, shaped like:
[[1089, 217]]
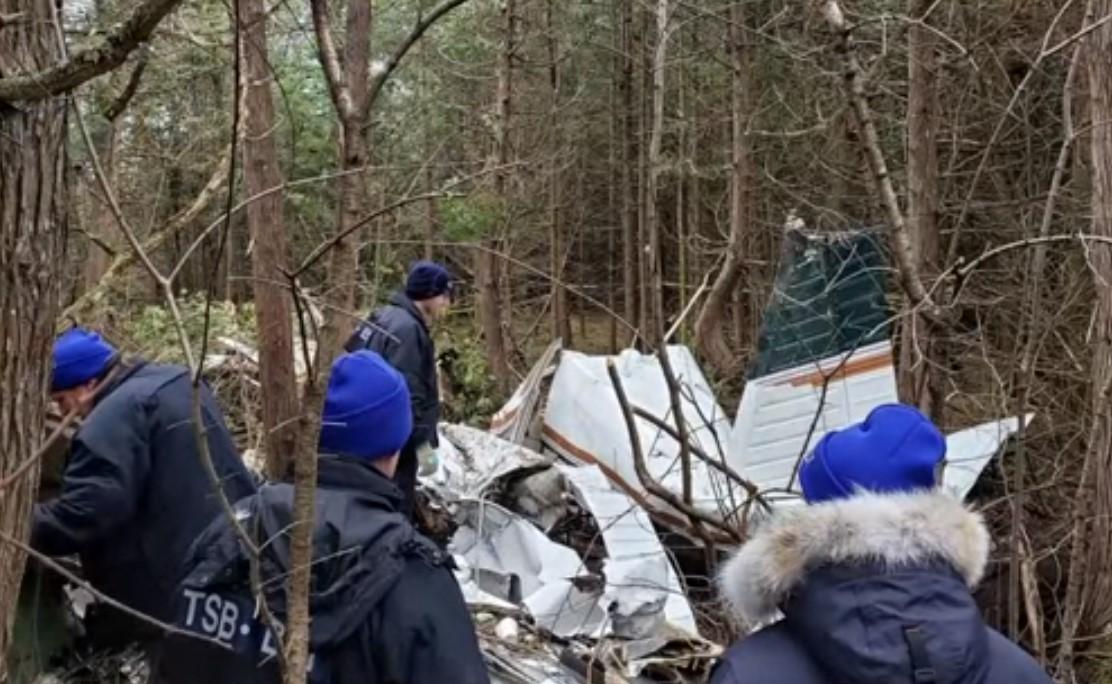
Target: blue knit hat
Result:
[[895, 449], [366, 410], [80, 356], [427, 279]]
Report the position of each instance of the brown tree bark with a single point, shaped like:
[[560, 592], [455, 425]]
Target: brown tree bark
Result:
[[104, 55], [32, 243], [32, 237], [710, 326], [921, 382], [487, 267], [1087, 608], [561, 323], [652, 208], [270, 249], [628, 156], [644, 133]]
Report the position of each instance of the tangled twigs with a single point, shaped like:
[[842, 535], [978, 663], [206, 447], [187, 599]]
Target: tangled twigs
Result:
[[696, 516]]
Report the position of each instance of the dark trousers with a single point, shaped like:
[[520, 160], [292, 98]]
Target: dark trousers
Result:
[[406, 478]]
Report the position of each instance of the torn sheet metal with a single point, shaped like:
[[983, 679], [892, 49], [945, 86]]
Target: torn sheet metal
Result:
[[782, 416], [642, 586], [825, 360], [515, 419], [471, 460], [545, 576], [583, 423], [505, 560], [969, 451]]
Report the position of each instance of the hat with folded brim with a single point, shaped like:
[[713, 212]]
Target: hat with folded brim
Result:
[[79, 357], [366, 409]]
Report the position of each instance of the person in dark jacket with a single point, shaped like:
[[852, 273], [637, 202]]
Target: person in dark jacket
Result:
[[134, 493], [385, 605], [870, 582], [399, 332]]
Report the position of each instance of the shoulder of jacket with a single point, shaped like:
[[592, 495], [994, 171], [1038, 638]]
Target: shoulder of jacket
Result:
[[421, 549]]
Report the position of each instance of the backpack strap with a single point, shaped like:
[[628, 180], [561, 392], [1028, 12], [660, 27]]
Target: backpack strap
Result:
[[922, 670]]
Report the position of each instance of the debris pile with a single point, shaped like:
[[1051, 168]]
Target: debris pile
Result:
[[564, 572]]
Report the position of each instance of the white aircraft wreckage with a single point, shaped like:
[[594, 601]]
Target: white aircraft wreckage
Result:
[[561, 447]]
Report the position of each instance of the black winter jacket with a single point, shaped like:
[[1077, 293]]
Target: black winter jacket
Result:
[[873, 590], [134, 493], [385, 606], [398, 333]]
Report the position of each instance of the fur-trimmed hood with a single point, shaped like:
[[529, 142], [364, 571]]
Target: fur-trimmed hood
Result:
[[895, 530]]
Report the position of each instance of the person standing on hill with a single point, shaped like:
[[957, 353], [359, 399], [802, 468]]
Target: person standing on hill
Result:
[[134, 491], [399, 332], [873, 576]]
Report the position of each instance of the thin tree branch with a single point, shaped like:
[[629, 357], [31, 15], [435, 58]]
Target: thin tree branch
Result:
[[100, 596], [699, 453], [963, 270], [646, 478], [324, 247], [176, 223], [117, 107], [982, 164], [681, 420], [525, 266], [423, 25], [219, 221], [109, 52], [910, 278], [330, 60], [24, 467]]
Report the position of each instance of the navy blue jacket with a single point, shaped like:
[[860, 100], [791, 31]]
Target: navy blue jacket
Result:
[[134, 493], [385, 606], [872, 590], [399, 334]]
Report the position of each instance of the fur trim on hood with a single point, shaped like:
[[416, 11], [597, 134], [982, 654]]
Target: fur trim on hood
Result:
[[897, 529]]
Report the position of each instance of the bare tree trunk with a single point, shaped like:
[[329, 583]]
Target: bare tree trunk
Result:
[[652, 218], [349, 87], [1088, 602], [682, 147], [561, 324], [644, 133], [270, 249], [921, 381], [32, 244], [354, 154], [487, 268], [710, 326], [629, 153]]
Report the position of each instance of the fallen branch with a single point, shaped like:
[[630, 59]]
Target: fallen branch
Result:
[[108, 53], [646, 478], [732, 475]]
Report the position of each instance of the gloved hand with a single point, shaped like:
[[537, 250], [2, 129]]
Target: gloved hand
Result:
[[428, 460]]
